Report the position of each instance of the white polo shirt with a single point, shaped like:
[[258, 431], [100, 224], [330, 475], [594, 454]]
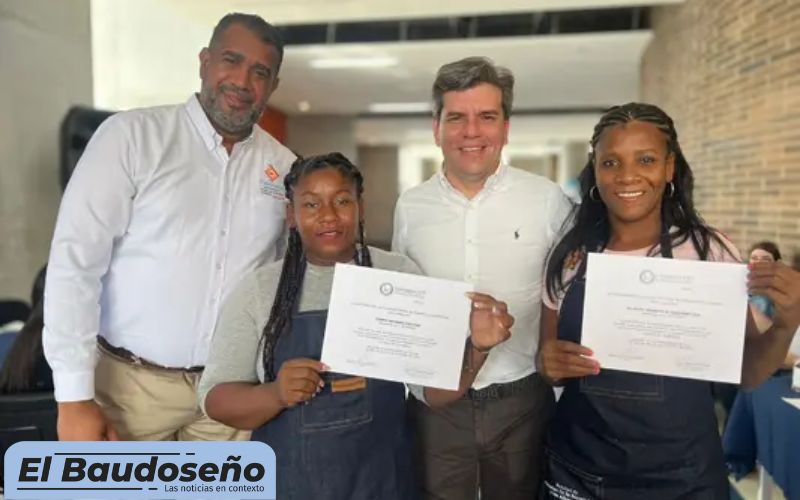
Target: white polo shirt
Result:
[[498, 241]]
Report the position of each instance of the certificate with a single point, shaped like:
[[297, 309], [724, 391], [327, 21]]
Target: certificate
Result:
[[682, 318], [396, 326]]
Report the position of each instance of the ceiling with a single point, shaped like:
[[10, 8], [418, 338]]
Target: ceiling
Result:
[[565, 71], [308, 11], [576, 71]]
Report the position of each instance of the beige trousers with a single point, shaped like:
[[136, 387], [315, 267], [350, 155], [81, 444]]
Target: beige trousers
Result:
[[150, 404]]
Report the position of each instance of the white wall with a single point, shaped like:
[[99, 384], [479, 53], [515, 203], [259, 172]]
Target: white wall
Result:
[[525, 129], [564, 136], [314, 135], [378, 164], [145, 53], [46, 62]]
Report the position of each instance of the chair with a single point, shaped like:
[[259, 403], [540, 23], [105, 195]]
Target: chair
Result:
[[6, 341], [77, 127], [13, 310], [26, 417]]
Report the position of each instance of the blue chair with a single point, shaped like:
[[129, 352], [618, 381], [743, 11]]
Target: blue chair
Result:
[[13, 310]]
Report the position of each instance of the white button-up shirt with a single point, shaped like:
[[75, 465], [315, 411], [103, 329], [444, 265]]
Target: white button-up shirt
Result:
[[157, 224], [498, 241]]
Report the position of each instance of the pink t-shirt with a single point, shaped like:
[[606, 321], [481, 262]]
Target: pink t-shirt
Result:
[[683, 251]]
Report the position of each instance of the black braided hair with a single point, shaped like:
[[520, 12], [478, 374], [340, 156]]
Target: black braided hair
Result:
[[294, 262], [591, 230]]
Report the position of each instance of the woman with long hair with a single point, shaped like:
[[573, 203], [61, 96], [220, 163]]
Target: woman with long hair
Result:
[[621, 435], [336, 437]]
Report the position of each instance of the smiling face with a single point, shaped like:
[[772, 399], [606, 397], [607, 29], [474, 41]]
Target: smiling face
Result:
[[326, 211], [239, 72], [632, 167], [472, 130]]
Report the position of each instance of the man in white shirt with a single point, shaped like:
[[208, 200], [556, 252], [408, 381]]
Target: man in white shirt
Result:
[[484, 222], [167, 209]]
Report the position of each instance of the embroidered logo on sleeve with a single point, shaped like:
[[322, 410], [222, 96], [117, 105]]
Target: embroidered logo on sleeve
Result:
[[270, 184]]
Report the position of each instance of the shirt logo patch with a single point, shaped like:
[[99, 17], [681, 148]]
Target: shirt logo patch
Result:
[[268, 183], [271, 173]]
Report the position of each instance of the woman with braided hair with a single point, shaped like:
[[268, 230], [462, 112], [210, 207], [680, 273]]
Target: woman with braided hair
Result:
[[336, 437], [621, 435]]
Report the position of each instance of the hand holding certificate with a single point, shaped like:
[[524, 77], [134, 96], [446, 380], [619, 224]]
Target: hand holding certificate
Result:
[[395, 326], [680, 318]]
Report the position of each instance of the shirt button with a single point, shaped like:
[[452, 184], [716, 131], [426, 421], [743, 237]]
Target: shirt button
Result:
[[223, 232], [219, 267]]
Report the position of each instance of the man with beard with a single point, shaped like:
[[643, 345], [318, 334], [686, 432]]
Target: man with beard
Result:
[[167, 209]]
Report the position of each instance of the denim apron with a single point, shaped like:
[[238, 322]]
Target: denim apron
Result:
[[351, 445], [624, 436]]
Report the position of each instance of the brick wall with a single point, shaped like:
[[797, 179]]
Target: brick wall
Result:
[[728, 72]]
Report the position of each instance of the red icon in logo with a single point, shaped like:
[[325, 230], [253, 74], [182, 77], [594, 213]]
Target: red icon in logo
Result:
[[271, 173]]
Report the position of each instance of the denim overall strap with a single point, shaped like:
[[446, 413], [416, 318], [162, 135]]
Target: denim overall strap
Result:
[[344, 445], [623, 436]]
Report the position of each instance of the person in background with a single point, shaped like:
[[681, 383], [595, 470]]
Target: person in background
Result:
[[168, 208], [764, 251], [764, 309]]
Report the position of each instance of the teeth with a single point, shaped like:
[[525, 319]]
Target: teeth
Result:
[[471, 150], [635, 194]]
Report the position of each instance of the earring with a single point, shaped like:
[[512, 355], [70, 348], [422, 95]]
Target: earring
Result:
[[671, 192], [596, 196]]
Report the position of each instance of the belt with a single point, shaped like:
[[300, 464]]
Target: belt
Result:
[[127, 356], [504, 390]]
